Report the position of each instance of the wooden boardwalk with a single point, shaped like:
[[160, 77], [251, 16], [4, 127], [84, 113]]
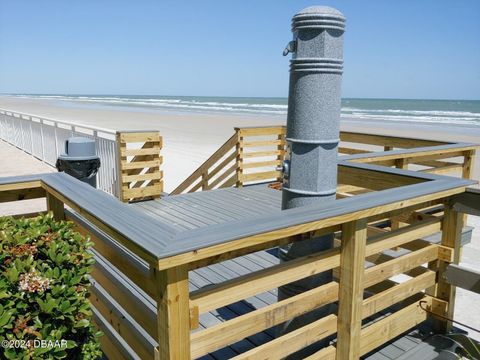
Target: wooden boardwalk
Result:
[[16, 162]]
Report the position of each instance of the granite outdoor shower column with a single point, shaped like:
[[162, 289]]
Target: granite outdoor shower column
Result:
[[313, 129]]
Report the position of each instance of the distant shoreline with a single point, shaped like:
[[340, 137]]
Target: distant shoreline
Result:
[[453, 112]]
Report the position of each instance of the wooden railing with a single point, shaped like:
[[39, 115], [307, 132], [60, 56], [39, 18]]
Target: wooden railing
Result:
[[139, 165], [250, 155], [141, 294], [359, 241], [140, 289], [253, 154]]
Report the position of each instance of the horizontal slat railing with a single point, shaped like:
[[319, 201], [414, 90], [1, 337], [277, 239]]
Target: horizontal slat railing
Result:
[[216, 337], [155, 315], [259, 151], [220, 159], [250, 155], [139, 165]]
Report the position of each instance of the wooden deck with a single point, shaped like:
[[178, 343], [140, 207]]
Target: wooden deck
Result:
[[195, 210], [200, 209]]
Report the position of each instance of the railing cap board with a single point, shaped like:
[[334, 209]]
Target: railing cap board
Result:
[[463, 277], [70, 123], [355, 133], [468, 202], [21, 179], [140, 229], [414, 151], [233, 230], [161, 240], [385, 135], [135, 131]]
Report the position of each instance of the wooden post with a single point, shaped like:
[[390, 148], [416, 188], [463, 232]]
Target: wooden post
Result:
[[56, 207], [239, 148], [468, 164], [121, 147], [467, 170], [205, 180], [350, 295], [401, 164], [451, 237], [173, 314]]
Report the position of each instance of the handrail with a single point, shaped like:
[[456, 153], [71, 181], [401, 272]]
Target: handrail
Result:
[[202, 170], [239, 156], [397, 151], [155, 257], [44, 138], [63, 122], [145, 262]]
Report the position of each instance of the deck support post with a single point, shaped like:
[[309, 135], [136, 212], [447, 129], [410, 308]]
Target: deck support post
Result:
[[173, 314], [56, 207], [239, 149], [467, 171], [121, 147], [451, 237], [350, 294]]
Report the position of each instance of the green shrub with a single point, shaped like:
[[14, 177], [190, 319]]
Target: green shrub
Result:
[[44, 268]]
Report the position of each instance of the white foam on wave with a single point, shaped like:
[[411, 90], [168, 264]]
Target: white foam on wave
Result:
[[415, 112], [418, 116]]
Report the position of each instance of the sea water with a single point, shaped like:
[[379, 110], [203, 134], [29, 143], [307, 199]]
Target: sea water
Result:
[[461, 112]]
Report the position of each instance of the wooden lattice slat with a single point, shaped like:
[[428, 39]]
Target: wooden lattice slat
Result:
[[139, 165]]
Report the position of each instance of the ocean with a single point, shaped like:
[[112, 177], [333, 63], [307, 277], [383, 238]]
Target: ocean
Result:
[[461, 112]]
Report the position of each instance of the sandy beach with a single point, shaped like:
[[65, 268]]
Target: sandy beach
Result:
[[191, 137]]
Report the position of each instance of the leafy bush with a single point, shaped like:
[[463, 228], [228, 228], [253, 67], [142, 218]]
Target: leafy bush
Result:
[[44, 285]]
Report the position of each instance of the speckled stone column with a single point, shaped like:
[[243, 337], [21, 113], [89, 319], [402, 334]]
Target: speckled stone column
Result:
[[313, 126]]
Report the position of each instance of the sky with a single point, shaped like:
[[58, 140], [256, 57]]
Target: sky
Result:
[[427, 49]]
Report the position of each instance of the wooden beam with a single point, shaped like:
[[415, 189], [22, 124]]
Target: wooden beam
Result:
[[465, 278], [116, 255], [265, 279], [122, 325], [261, 130], [292, 341], [397, 293], [197, 258], [386, 140], [327, 353], [212, 160], [373, 179], [468, 202], [21, 191], [468, 164], [239, 161], [382, 331], [98, 223], [451, 237], [352, 260], [218, 336], [55, 206], [173, 314], [400, 265], [238, 328], [393, 325]]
